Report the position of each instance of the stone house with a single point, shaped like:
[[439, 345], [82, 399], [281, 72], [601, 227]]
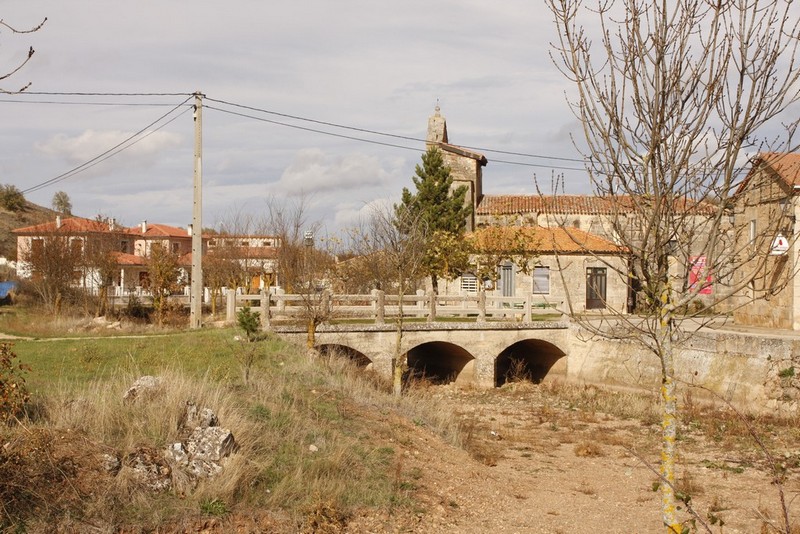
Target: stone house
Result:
[[564, 268], [598, 216], [766, 211]]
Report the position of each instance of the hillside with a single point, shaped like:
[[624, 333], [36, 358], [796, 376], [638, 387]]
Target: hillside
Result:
[[9, 220]]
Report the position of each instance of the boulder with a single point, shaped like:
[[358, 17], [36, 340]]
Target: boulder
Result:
[[193, 418], [143, 386], [148, 468]]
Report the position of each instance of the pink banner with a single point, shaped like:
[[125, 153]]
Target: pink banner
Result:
[[698, 273]]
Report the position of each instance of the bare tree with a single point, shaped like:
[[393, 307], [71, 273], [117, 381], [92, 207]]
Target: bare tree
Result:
[[304, 261], [24, 61], [53, 262], [670, 94], [395, 245], [100, 260], [162, 277]]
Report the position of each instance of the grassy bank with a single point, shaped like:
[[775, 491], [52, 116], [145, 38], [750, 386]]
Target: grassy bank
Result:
[[318, 440]]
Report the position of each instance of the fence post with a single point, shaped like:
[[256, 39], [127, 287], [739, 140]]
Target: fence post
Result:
[[432, 306], [327, 298], [265, 323], [281, 302], [528, 314], [481, 306], [380, 306], [230, 315]]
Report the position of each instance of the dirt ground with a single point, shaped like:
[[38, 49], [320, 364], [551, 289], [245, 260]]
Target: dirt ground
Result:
[[534, 462], [542, 466]]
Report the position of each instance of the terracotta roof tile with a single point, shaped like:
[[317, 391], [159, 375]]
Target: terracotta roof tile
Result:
[[566, 204], [129, 259], [70, 225], [785, 165], [543, 240], [159, 230]]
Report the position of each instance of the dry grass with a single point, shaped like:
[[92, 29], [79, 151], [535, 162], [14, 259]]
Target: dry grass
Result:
[[588, 449], [294, 400]]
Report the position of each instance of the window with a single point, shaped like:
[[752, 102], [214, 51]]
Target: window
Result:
[[753, 232], [176, 247], [124, 246], [541, 280], [506, 276], [469, 283], [595, 288], [76, 247]]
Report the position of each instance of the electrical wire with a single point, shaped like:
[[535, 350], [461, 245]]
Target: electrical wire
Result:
[[385, 134], [116, 149]]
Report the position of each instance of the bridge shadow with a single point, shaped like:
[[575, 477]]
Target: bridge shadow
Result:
[[343, 351], [440, 362], [530, 359]]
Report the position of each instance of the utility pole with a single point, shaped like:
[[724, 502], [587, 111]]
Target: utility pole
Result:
[[196, 295]]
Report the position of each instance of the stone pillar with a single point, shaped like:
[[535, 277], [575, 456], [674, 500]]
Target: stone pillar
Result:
[[265, 322], [431, 307], [481, 306], [230, 315], [484, 370], [379, 306]]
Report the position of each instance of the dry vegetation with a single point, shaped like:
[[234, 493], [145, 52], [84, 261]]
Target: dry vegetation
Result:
[[324, 447]]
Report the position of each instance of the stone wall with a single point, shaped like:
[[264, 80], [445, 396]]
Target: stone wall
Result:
[[753, 372]]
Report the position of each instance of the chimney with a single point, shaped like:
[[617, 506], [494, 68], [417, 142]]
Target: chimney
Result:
[[58, 222], [189, 230], [112, 224], [144, 226]]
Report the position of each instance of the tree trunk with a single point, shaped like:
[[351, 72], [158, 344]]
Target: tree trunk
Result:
[[399, 357], [669, 425], [311, 338]]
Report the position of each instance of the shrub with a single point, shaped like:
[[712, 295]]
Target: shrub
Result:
[[13, 392], [11, 198], [249, 322]]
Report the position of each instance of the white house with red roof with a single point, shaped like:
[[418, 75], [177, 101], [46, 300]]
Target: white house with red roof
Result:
[[131, 248]]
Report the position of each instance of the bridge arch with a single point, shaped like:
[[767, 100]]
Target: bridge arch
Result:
[[530, 358], [441, 363], [360, 359]]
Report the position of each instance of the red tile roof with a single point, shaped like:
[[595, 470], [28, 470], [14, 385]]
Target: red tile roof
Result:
[[130, 259], [70, 225], [785, 165], [159, 230], [542, 240], [568, 204]]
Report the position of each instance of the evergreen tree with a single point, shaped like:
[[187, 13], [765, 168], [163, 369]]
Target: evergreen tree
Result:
[[442, 210]]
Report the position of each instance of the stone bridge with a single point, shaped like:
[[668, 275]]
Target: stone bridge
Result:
[[482, 354], [754, 371]]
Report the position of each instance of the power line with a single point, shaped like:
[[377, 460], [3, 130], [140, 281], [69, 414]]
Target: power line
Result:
[[384, 134], [116, 149]]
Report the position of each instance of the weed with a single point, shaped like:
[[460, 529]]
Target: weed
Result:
[[13, 391], [215, 507], [588, 449], [786, 373]]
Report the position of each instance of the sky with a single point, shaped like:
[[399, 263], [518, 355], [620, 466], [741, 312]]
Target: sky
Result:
[[362, 64]]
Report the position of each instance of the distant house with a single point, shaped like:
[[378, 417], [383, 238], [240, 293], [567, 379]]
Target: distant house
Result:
[[599, 217], [131, 247], [568, 269], [767, 210]]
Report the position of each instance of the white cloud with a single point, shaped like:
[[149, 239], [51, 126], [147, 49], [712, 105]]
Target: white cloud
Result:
[[91, 144], [313, 172]]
